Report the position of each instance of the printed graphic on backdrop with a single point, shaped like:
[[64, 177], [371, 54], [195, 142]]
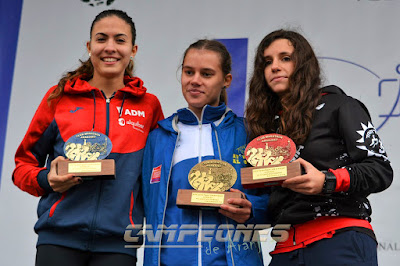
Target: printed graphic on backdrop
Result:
[[98, 2], [384, 87]]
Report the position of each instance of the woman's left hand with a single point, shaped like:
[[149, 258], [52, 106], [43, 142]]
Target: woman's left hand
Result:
[[241, 214], [310, 184]]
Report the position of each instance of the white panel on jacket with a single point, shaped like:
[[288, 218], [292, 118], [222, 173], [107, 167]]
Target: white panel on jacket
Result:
[[194, 141]]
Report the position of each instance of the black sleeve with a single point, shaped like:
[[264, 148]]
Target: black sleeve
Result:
[[371, 170]]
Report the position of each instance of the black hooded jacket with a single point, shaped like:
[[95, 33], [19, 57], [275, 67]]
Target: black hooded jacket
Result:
[[342, 136]]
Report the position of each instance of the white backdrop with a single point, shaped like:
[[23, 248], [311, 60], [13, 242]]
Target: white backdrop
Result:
[[357, 41]]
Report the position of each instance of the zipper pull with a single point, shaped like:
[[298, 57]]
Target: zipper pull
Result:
[[108, 100]]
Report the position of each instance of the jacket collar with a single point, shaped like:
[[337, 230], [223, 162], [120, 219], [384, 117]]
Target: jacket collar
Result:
[[210, 114], [133, 86], [332, 89]]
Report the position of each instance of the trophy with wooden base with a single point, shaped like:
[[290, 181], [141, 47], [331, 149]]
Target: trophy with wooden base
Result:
[[270, 156], [211, 181], [86, 151]]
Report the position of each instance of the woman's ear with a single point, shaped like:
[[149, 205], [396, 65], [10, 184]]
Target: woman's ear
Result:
[[88, 47], [227, 80], [134, 50]]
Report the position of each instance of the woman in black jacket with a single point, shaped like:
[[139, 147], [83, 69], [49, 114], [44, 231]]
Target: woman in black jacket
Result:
[[337, 145]]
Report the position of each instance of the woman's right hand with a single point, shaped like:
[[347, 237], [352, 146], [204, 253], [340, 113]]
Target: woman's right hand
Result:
[[61, 183]]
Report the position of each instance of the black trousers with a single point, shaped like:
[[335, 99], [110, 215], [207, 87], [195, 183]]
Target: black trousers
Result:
[[344, 248], [49, 255]]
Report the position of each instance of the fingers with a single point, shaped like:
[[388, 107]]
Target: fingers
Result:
[[61, 183], [295, 180], [53, 164], [241, 214], [238, 217], [309, 184]]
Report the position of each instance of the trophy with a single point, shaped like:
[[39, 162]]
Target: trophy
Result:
[[210, 179], [86, 151], [269, 155]]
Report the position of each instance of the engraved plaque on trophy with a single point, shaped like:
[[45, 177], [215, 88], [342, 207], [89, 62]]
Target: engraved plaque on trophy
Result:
[[87, 152], [211, 181], [270, 156]]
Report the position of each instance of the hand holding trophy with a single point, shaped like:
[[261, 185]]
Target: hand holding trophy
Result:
[[269, 155], [211, 181], [87, 151]]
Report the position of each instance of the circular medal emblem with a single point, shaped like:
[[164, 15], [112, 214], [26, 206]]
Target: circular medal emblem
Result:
[[270, 149], [88, 145], [212, 175]]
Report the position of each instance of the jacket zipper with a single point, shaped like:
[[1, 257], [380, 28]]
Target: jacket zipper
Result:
[[92, 226], [199, 253], [108, 115]]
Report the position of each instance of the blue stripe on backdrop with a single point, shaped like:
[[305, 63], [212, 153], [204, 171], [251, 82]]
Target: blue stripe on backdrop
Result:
[[10, 16], [237, 91]]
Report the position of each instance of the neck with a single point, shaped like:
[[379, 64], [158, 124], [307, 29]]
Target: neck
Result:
[[107, 85], [197, 112]]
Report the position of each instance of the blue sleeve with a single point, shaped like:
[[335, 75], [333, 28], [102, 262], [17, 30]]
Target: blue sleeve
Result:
[[259, 199], [147, 169]]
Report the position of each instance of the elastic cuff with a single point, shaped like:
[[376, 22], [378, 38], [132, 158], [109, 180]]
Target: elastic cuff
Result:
[[43, 182], [342, 179]]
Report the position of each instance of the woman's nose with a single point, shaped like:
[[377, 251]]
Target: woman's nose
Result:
[[275, 66], [110, 46], [196, 79]]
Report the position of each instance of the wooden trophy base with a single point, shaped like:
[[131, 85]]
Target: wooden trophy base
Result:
[[205, 200], [88, 170], [270, 175]]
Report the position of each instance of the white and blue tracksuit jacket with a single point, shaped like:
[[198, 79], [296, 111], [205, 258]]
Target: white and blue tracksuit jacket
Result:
[[166, 165]]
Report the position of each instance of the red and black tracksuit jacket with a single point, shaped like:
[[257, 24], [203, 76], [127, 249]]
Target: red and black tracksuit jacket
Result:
[[93, 215]]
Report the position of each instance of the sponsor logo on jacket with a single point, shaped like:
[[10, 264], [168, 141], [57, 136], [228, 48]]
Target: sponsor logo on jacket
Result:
[[370, 141], [135, 125], [132, 112]]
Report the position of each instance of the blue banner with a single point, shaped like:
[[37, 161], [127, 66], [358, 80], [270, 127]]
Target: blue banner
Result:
[[237, 91], [10, 16]]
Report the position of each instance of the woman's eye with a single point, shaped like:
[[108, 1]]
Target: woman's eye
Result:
[[188, 72], [120, 40], [286, 59], [268, 62], [207, 75]]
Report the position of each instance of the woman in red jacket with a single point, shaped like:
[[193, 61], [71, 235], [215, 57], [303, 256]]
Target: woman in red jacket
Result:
[[103, 104]]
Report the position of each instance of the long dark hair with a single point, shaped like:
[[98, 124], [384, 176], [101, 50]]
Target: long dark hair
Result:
[[86, 67], [225, 59], [296, 108]]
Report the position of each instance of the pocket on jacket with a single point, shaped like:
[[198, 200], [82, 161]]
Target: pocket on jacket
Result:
[[54, 206]]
